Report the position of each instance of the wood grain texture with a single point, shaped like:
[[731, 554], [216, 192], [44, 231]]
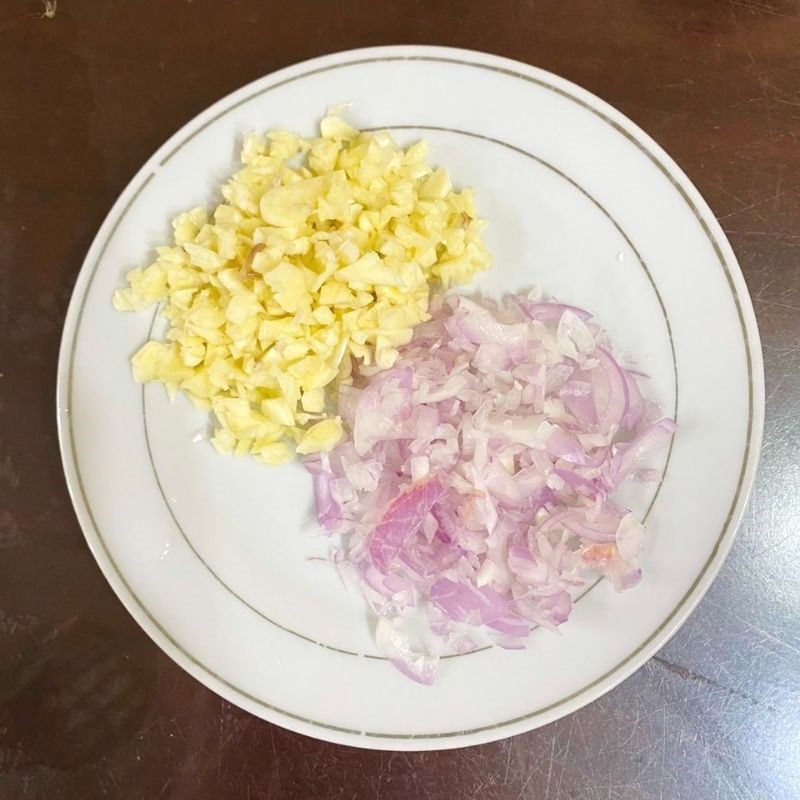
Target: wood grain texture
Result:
[[89, 707]]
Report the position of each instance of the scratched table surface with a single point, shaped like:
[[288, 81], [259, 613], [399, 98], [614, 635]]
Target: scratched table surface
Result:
[[89, 707]]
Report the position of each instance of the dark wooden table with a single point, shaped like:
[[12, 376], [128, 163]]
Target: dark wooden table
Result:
[[89, 707]]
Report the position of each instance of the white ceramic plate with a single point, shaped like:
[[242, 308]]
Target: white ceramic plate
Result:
[[210, 554]]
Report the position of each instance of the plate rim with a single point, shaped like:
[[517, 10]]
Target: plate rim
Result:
[[661, 634]]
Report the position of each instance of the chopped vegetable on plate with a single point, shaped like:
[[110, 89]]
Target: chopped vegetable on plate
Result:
[[477, 484], [321, 255]]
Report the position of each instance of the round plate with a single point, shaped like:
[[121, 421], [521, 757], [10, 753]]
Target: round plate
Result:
[[211, 554]]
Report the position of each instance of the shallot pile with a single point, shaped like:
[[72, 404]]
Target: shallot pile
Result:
[[476, 485]]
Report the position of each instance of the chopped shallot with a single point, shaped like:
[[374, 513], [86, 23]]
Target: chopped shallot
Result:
[[478, 480]]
